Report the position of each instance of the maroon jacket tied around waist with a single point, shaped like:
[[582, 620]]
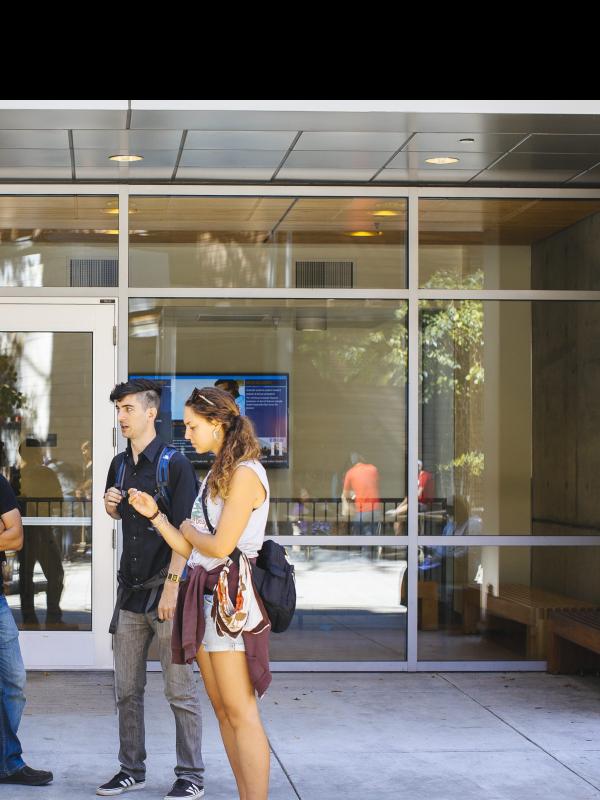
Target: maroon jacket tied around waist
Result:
[[188, 624]]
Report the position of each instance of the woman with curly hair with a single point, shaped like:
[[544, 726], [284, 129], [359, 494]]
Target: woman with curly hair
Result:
[[220, 619]]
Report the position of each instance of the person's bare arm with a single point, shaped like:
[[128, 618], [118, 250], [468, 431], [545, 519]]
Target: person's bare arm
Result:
[[245, 493], [168, 598], [11, 530]]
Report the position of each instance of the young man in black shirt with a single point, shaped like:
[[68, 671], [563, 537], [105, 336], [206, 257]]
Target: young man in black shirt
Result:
[[148, 586], [12, 672]]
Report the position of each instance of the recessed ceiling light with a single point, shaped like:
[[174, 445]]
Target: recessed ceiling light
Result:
[[386, 212], [126, 158], [115, 211], [363, 233], [442, 160], [315, 323]]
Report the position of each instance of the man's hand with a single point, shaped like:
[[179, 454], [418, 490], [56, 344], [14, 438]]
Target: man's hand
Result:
[[112, 498], [168, 600]]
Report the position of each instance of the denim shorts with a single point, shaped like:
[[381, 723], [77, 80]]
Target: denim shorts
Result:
[[213, 643]]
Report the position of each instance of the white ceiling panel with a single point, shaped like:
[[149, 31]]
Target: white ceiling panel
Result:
[[232, 158], [516, 177], [37, 140], [344, 140], [560, 143], [224, 174], [443, 143], [330, 159], [239, 140], [127, 141], [57, 119], [14, 157], [35, 173], [546, 162]]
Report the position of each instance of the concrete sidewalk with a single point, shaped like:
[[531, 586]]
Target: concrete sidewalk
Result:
[[469, 736]]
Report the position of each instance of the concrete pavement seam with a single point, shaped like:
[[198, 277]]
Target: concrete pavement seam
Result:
[[284, 770], [520, 733]]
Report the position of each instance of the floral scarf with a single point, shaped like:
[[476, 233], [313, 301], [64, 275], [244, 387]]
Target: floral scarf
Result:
[[230, 619]]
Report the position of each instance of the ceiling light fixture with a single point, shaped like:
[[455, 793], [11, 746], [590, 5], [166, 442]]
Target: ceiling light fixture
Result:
[[125, 158], [315, 323], [442, 160]]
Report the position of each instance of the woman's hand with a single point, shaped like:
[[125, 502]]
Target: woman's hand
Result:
[[142, 502]]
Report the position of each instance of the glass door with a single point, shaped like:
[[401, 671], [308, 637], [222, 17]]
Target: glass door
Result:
[[57, 367]]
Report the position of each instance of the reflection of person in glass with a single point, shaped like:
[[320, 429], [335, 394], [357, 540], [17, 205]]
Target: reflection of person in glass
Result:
[[38, 483], [84, 487], [233, 387], [361, 486], [425, 495]]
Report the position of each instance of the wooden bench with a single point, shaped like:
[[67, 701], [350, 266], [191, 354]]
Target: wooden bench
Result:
[[427, 593], [531, 607], [573, 641]]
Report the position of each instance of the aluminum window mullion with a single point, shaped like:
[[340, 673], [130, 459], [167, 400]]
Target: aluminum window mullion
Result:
[[413, 430]]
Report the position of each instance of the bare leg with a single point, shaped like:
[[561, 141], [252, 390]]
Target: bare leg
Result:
[[227, 733], [237, 694]]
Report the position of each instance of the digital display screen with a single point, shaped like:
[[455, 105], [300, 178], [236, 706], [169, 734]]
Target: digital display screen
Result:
[[262, 398]]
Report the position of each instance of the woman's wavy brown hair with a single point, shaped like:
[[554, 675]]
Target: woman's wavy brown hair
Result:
[[240, 443]]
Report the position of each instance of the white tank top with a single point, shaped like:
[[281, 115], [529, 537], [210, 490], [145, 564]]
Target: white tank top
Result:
[[253, 534]]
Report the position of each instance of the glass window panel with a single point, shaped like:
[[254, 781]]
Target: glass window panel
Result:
[[324, 382], [59, 240], [290, 242], [351, 605], [524, 243], [508, 407], [492, 603], [46, 455]]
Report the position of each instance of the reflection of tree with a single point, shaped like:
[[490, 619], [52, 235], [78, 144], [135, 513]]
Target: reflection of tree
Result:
[[11, 399], [376, 356], [451, 370], [452, 355]]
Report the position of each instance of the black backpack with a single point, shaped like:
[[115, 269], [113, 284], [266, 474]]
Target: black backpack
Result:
[[163, 494], [272, 575]]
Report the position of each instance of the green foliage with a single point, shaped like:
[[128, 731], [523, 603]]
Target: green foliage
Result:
[[472, 462], [11, 399]]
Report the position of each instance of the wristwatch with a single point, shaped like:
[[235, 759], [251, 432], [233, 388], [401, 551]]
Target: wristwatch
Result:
[[173, 577]]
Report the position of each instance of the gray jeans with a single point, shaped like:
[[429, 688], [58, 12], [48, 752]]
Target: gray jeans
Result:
[[131, 643]]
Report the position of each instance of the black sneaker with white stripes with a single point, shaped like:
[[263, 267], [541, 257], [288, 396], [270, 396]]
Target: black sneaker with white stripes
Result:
[[185, 788], [122, 782]]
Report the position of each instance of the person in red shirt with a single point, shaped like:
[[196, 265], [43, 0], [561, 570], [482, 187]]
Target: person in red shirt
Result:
[[425, 495], [361, 486]]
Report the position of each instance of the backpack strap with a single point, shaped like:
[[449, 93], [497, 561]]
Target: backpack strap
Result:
[[162, 477], [120, 474], [236, 552]]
